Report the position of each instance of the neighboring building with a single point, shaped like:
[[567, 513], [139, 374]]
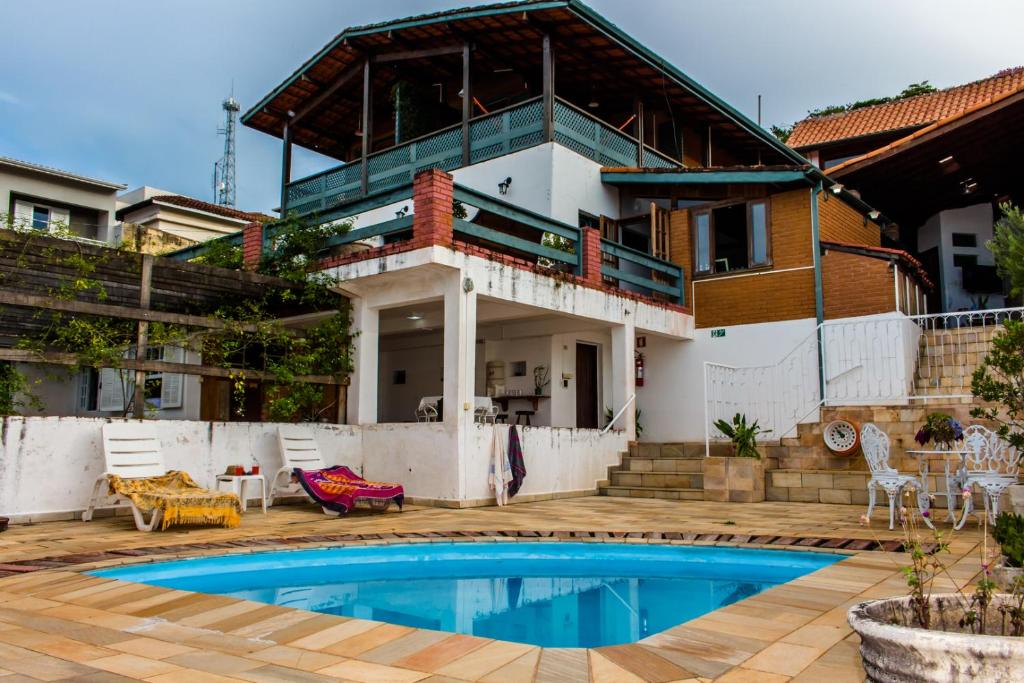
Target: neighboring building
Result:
[[44, 198], [170, 221], [939, 165]]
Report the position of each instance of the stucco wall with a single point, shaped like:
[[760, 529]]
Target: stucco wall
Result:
[[48, 465], [557, 460], [60, 192], [672, 398]]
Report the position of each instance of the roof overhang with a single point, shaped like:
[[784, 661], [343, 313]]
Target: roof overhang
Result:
[[703, 176], [61, 175], [932, 169], [510, 33]]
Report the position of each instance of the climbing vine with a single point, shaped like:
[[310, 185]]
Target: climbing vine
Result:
[[251, 338]]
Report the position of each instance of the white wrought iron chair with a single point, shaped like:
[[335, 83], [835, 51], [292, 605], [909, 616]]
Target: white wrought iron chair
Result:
[[875, 444], [427, 411], [991, 465]]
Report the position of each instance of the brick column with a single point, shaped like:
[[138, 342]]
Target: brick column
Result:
[[591, 255], [432, 208], [252, 246]]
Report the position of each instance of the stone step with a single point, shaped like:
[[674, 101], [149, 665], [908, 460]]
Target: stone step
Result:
[[669, 480], [637, 464], [644, 449], [644, 492]]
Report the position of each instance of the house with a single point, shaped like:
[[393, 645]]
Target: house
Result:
[[169, 221], [954, 153], [45, 198], [547, 216]]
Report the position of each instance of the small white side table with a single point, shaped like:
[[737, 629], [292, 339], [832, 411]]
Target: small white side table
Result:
[[237, 484]]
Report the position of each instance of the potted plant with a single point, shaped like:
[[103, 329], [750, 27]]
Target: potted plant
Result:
[[998, 380], [925, 636], [1009, 534], [941, 430], [738, 478], [541, 378]]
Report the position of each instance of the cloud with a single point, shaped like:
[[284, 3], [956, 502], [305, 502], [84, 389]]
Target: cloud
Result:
[[8, 98]]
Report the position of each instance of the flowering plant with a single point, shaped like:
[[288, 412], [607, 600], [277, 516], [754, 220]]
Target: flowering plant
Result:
[[940, 429]]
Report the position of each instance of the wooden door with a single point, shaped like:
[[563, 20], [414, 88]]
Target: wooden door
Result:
[[586, 386]]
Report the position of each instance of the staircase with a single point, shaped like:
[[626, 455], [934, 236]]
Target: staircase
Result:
[[669, 471], [948, 357]]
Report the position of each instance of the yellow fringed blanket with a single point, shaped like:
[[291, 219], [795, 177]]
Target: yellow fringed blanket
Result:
[[180, 500]]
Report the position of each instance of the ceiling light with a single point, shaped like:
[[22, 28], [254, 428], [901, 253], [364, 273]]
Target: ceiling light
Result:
[[946, 160], [837, 188], [873, 215], [413, 316]]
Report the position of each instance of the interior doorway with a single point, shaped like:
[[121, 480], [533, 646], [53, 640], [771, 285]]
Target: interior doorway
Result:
[[586, 386]]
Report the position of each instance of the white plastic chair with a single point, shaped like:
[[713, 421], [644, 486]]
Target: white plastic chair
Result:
[[485, 410], [427, 411], [131, 451], [991, 465], [875, 444], [298, 449]]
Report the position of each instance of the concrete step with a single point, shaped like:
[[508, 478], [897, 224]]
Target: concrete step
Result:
[[669, 480], [688, 464], [648, 492]]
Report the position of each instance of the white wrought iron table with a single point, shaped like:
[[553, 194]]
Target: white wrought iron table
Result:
[[953, 479]]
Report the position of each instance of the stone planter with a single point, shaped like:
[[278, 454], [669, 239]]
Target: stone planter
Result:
[[1016, 494], [1005, 576], [894, 653], [734, 480]]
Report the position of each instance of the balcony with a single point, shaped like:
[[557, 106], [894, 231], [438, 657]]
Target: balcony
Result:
[[502, 132]]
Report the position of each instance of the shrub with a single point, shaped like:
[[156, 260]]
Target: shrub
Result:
[[742, 435], [1009, 534]]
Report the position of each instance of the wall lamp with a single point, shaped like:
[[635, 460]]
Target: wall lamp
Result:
[[504, 185], [402, 212], [873, 215], [837, 188]]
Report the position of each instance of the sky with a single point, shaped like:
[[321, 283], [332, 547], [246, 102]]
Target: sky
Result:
[[131, 90]]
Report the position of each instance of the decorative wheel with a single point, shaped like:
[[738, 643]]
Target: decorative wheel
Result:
[[841, 437]]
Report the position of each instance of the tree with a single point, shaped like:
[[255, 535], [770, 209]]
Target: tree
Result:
[[1007, 244], [1000, 379]]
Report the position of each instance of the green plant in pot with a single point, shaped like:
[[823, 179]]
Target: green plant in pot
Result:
[[1009, 534], [742, 435]]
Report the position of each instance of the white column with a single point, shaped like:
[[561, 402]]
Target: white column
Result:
[[459, 350], [623, 377], [362, 393]]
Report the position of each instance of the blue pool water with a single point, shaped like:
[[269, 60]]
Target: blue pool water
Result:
[[549, 594]]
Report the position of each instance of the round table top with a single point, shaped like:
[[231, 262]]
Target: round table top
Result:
[[939, 451]]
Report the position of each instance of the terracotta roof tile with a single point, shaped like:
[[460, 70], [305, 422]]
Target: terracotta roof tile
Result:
[[909, 113], [220, 210]]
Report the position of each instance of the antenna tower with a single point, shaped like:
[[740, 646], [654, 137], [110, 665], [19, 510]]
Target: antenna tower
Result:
[[224, 168]]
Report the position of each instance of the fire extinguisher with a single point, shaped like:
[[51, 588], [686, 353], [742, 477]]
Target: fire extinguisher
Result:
[[639, 369]]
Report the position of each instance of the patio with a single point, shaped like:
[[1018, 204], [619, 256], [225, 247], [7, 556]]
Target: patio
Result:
[[56, 624]]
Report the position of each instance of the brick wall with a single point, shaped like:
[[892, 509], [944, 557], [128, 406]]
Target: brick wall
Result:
[[856, 285], [592, 255], [768, 297], [840, 222], [252, 245], [432, 202]]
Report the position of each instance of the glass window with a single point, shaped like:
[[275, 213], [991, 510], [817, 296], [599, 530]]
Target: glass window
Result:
[[965, 239], [703, 239], [758, 234], [40, 217]]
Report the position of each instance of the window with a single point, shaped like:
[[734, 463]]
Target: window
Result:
[[40, 217], [965, 239], [731, 237], [965, 260]]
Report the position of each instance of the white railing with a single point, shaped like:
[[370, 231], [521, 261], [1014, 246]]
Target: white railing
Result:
[[898, 358], [779, 396]]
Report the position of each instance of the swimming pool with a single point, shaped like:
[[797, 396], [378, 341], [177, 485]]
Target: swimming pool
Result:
[[548, 594]]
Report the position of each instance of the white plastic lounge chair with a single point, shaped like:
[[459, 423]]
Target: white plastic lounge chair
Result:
[[132, 451], [298, 449]]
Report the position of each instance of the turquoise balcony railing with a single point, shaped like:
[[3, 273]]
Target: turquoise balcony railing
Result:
[[647, 273], [493, 135]]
